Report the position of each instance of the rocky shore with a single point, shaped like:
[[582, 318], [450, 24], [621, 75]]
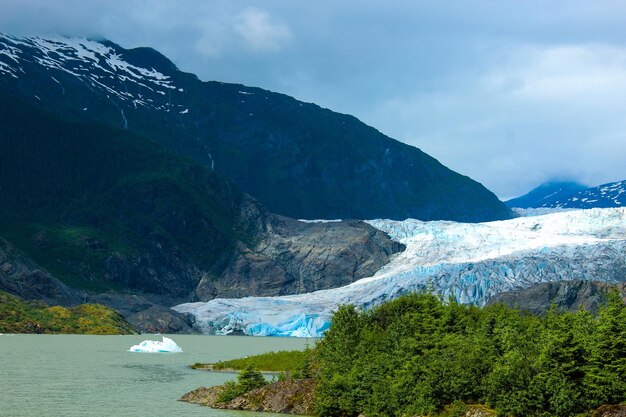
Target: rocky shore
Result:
[[292, 396], [297, 396]]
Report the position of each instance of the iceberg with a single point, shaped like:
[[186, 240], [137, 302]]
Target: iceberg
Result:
[[470, 261], [155, 346]]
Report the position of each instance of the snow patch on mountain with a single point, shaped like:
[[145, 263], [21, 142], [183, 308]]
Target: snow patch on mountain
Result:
[[472, 262], [99, 65], [605, 195]]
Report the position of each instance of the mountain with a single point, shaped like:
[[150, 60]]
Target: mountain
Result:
[[295, 158], [546, 194], [571, 195], [612, 194], [471, 262], [87, 209]]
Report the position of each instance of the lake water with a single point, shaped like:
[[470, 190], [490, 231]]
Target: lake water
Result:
[[72, 375]]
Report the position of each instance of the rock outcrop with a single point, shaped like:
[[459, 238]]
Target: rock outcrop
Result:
[[292, 396], [610, 411], [294, 257], [159, 319], [21, 276], [567, 295]]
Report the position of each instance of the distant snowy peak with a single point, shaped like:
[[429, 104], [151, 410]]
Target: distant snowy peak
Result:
[[129, 76], [606, 195], [546, 194], [570, 195]]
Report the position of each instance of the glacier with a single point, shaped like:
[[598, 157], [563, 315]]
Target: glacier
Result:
[[167, 345], [470, 261]]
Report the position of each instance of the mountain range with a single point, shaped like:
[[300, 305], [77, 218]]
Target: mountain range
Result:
[[130, 183], [572, 195]]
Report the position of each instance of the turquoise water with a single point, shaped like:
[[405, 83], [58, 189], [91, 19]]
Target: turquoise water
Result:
[[72, 375]]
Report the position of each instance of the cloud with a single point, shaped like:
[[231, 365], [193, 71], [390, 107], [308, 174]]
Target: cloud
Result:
[[260, 31], [565, 72], [536, 112]]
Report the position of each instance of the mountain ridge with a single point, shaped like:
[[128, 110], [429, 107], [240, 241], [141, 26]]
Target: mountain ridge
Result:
[[545, 194], [571, 195], [296, 158], [87, 209]]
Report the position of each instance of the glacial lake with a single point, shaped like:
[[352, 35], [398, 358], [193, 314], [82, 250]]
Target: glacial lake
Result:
[[75, 375]]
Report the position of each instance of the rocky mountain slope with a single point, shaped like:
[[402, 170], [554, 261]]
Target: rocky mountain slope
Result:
[[21, 276], [472, 262], [566, 295], [571, 196], [87, 210], [295, 158]]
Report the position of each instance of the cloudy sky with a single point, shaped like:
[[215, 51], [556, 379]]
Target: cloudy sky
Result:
[[511, 93]]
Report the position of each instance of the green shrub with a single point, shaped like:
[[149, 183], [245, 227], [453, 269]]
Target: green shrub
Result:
[[247, 380]]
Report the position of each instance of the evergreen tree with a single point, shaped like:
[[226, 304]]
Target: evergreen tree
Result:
[[606, 371]]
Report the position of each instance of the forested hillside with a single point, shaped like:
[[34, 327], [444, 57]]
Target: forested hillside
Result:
[[417, 354]]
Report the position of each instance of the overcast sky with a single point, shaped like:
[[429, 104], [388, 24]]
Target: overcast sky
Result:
[[511, 93]]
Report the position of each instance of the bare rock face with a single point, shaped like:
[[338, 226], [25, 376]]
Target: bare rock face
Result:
[[567, 295], [21, 276], [159, 319], [203, 396], [292, 396], [293, 257], [610, 411], [475, 410]]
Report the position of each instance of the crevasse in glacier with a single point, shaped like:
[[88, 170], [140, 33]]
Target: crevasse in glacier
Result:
[[471, 261]]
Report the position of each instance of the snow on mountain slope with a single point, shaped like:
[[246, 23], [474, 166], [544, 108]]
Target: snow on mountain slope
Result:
[[101, 66], [546, 194], [606, 195], [473, 262]]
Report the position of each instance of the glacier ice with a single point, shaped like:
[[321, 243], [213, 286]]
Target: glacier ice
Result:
[[471, 261], [155, 346]]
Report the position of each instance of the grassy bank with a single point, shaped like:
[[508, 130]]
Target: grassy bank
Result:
[[281, 361]]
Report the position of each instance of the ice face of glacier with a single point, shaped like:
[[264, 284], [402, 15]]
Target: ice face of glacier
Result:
[[155, 346], [470, 261]]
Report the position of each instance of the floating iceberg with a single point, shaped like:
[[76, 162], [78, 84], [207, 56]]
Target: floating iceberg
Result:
[[471, 261], [154, 346]]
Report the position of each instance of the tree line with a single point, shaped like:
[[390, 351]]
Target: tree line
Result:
[[418, 353]]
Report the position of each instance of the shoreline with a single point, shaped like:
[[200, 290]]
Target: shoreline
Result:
[[210, 367]]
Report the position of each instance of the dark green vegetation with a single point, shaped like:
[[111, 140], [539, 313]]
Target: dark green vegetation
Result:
[[248, 379], [17, 316], [103, 209], [281, 361], [296, 158], [417, 354]]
